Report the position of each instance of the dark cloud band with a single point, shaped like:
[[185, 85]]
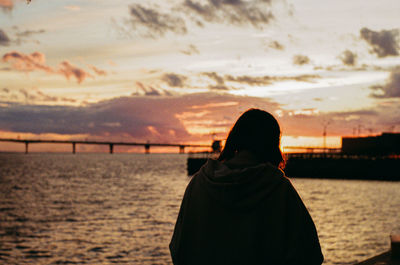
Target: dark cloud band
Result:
[[391, 89], [383, 43], [154, 23], [4, 39]]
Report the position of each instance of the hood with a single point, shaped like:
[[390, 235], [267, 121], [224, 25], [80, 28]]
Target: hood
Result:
[[240, 183]]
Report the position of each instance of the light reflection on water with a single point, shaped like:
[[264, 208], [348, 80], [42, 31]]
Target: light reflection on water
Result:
[[121, 208], [354, 218]]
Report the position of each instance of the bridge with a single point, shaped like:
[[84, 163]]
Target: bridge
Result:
[[215, 146], [110, 144]]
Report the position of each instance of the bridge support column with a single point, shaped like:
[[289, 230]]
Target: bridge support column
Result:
[[181, 149], [111, 148], [73, 148], [147, 148], [26, 147]]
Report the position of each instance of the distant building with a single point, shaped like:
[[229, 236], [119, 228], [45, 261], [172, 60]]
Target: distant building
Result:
[[384, 144]]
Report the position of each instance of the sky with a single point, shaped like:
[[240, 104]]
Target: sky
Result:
[[182, 71]]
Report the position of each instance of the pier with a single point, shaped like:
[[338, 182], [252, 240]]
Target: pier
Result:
[[110, 144]]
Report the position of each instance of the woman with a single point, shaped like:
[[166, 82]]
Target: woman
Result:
[[241, 209]]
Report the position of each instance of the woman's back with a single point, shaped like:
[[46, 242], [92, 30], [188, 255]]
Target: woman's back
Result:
[[241, 209], [243, 212]]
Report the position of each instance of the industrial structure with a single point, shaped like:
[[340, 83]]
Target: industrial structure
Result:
[[384, 144]]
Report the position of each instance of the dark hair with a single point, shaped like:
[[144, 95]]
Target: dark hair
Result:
[[256, 131]]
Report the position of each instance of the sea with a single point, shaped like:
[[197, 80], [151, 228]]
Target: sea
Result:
[[121, 209]]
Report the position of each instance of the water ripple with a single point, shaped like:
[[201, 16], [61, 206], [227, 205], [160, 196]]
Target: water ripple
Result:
[[121, 208]]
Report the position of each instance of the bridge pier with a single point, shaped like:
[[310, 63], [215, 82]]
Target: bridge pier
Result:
[[111, 148], [75, 142], [181, 149]]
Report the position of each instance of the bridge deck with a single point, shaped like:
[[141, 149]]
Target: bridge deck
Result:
[[109, 143]]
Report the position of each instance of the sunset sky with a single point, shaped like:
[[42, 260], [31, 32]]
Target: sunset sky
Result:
[[179, 71]]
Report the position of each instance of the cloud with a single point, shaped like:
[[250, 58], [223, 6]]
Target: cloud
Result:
[[219, 87], [218, 82], [68, 70], [97, 70], [267, 80], [250, 80], [190, 50], [256, 80], [18, 36], [32, 95], [6, 5], [29, 33], [150, 91], [383, 43], [174, 80], [234, 12], [4, 39], [27, 62], [392, 87], [300, 59], [276, 45], [214, 76], [26, 35], [181, 118], [37, 61], [176, 118], [348, 58], [310, 123], [43, 97], [154, 23]]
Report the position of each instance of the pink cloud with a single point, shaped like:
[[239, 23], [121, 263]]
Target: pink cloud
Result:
[[27, 62], [6, 5], [97, 70], [37, 61], [181, 118], [68, 70]]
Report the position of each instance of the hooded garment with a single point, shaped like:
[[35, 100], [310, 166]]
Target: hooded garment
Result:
[[242, 212]]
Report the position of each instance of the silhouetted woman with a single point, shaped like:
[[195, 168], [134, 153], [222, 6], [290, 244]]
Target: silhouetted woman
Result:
[[241, 209]]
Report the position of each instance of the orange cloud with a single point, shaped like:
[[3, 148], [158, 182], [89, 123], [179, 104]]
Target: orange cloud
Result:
[[97, 70], [6, 5], [37, 61], [68, 70], [27, 62]]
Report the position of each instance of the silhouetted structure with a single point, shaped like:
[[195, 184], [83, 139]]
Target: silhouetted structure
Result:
[[384, 144], [110, 144], [216, 146], [370, 158]]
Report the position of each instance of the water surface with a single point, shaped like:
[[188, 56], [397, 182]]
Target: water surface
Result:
[[121, 208]]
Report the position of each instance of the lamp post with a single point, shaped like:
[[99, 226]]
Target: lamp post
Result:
[[325, 125]]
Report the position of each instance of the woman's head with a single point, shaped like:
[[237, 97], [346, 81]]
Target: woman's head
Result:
[[256, 131]]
